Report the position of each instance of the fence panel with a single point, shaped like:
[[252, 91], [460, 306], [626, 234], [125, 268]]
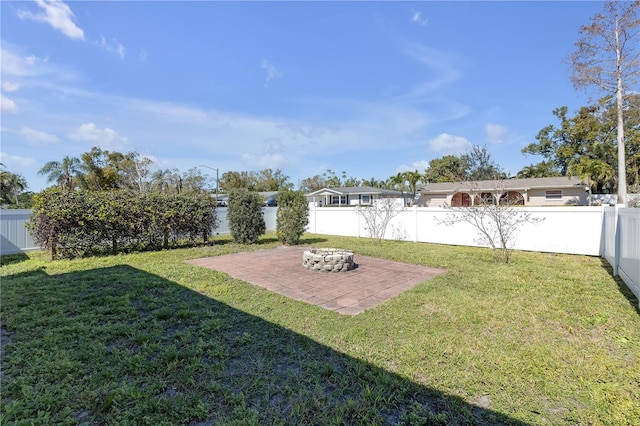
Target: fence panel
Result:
[[14, 237], [573, 230], [609, 235], [629, 248]]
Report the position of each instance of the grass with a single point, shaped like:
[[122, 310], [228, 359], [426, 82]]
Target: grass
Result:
[[147, 339]]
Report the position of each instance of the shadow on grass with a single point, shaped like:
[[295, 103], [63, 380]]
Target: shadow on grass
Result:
[[227, 239], [622, 286], [10, 259], [120, 345]]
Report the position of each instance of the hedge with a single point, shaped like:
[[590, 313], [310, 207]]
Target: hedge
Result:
[[79, 223]]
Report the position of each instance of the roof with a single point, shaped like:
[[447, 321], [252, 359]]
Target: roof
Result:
[[355, 190], [506, 184]]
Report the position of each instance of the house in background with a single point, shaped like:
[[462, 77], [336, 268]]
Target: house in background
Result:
[[352, 196], [549, 191]]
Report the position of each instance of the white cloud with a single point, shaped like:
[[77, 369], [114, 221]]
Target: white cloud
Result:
[[142, 55], [114, 46], [272, 72], [57, 14], [446, 144], [442, 66], [496, 133], [419, 19], [22, 70], [265, 161], [105, 138], [14, 161], [10, 86], [38, 137], [420, 166], [7, 105]]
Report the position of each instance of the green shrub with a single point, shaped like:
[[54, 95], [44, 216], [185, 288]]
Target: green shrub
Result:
[[292, 216], [245, 216], [74, 224]]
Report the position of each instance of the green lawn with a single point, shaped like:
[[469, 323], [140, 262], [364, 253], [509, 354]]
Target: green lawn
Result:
[[147, 339]]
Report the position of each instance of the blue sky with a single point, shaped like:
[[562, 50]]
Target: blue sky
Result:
[[371, 88]]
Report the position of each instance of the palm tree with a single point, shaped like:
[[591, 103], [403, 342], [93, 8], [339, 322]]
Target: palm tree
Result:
[[373, 182], [412, 179], [65, 173], [163, 180], [599, 173], [11, 185], [396, 182]]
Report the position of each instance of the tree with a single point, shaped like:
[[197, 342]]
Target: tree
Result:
[[449, 168], [245, 216], [332, 180], [103, 169], [413, 178], [373, 182], [564, 145], [585, 145], [11, 186], [292, 216], [478, 165], [163, 180], [135, 171], [237, 180], [194, 181], [378, 215], [541, 169], [608, 57], [270, 180], [313, 183], [65, 173], [497, 223], [407, 182], [396, 182]]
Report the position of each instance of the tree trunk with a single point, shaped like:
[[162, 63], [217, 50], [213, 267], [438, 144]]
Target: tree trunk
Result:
[[622, 173]]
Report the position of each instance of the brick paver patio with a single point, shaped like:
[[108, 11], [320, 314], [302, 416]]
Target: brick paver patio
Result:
[[280, 269]]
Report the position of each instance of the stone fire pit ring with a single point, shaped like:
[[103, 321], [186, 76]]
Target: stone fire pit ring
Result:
[[328, 260]]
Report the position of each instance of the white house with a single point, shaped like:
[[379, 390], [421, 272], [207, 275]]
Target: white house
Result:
[[548, 191], [351, 196]]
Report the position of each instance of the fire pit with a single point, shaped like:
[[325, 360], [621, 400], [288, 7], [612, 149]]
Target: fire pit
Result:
[[328, 260]]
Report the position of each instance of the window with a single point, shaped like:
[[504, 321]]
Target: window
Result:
[[461, 200], [512, 198], [553, 194], [485, 198], [338, 199], [366, 199]]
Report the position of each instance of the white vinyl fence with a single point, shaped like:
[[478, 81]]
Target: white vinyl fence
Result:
[[609, 232], [573, 230], [14, 237], [621, 245]]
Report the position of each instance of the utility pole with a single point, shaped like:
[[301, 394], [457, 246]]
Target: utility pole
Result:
[[217, 179]]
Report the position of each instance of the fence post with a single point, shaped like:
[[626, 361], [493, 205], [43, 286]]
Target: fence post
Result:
[[616, 255], [604, 225], [415, 222]]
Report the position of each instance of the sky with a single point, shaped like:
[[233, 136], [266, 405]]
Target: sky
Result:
[[369, 88]]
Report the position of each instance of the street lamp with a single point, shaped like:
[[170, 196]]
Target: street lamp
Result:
[[217, 179]]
